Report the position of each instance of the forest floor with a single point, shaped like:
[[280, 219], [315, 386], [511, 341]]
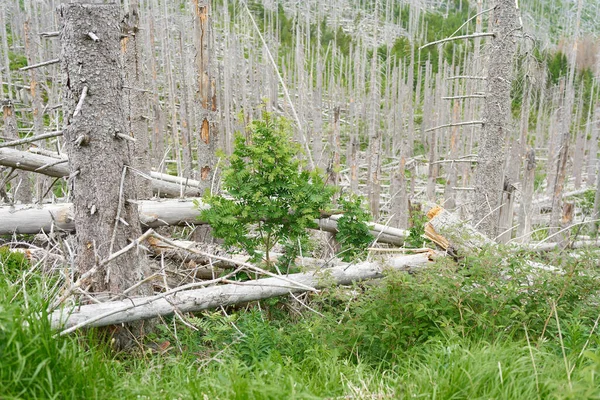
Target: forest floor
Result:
[[482, 327]]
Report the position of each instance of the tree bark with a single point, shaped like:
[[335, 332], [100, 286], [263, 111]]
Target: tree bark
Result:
[[489, 175], [99, 162]]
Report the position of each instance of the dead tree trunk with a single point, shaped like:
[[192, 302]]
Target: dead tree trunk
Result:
[[205, 94], [556, 219], [98, 156], [5, 59], [525, 217], [21, 186], [135, 99], [36, 102], [489, 175]]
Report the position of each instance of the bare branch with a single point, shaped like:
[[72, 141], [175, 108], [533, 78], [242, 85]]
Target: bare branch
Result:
[[31, 139], [466, 96], [51, 164], [49, 34], [125, 137], [83, 278], [466, 77], [472, 36], [80, 103], [455, 124], [472, 18], [42, 64]]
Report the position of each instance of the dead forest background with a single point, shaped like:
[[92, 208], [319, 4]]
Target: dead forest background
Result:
[[390, 99], [379, 115], [379, 112]]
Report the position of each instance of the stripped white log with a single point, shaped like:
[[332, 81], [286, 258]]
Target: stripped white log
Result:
[[31, 219], [135, 309], [32, 162], [381, 233], [175, 179]]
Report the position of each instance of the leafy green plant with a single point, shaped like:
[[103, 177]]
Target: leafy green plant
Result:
[[272, 198], [16, 61], [353, 233], [416, 233], [12, 263]]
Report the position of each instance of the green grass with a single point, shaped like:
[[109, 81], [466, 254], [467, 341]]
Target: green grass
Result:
[[456, 331]]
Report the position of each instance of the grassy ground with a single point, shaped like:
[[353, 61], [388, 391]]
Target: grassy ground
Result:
[[484, 328]]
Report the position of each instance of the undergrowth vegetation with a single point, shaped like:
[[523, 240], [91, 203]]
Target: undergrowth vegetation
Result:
[[484, 327]]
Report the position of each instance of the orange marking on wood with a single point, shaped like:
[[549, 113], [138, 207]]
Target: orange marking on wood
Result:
[[124, 41], [434, 211], [205, 173], [205, 131]]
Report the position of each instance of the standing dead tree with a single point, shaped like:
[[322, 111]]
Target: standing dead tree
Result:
[[134, 100], [21, 187], [205, 93], [99, 157], [489, 174]]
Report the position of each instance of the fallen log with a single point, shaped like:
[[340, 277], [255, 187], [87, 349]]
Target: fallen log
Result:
[[48, 166], [31, 219], [381, 233], [134, 309], [459, 238], [452, 234]]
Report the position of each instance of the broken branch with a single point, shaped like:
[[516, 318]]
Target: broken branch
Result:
[[42, 64]]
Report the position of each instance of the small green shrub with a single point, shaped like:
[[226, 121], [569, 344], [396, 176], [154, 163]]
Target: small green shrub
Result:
[[353, 233], [416, 233], [16, 61], [12, 263], [273, 199]]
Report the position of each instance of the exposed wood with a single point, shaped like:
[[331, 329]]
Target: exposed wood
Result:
[[452, 234], [134, 309]]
